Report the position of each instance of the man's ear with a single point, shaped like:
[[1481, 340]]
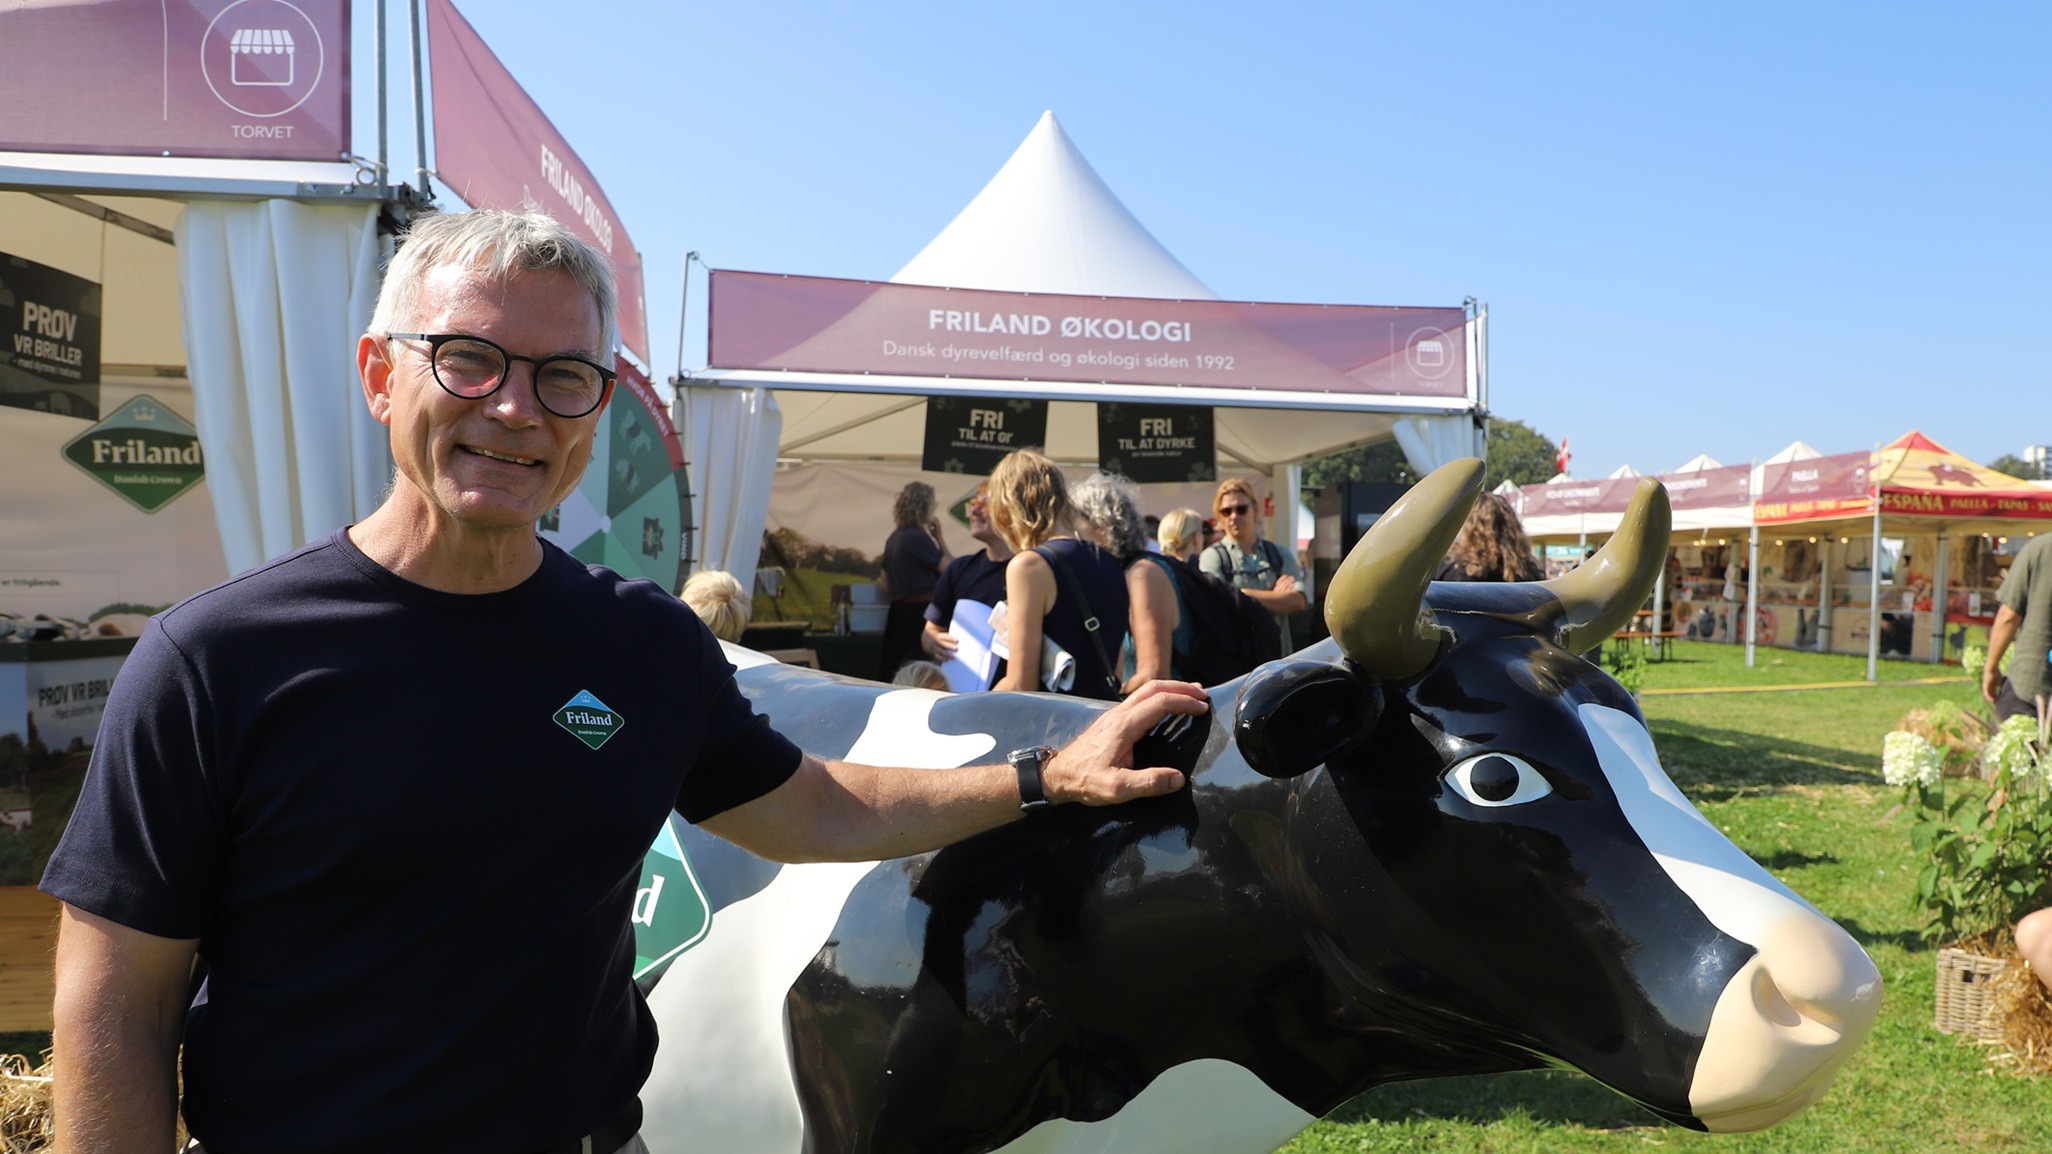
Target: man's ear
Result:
[[374, 366]]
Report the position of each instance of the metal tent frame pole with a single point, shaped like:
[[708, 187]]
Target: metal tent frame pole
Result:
[[1752, 594], [1874, 598]]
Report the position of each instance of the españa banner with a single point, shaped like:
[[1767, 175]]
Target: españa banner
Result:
[[816, 324]]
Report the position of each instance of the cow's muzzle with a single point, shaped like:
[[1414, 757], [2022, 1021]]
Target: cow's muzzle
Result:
[[1784, 1024]]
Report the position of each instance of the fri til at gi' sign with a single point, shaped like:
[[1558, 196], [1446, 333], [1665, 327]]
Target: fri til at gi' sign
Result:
[[972, 434], [52, 359]]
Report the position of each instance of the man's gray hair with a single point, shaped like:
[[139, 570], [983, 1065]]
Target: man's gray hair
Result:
[[495, 243], [1112, 506]]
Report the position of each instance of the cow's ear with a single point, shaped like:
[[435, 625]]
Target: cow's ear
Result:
[[1297, 715]]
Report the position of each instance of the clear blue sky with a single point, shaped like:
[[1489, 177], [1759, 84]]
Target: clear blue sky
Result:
[[1713, 229]]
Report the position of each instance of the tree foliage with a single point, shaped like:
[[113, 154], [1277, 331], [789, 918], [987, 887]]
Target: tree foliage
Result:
[[1517, 453], [2015, 466]]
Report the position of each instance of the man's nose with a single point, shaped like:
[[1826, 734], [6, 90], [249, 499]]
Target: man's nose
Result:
[[516, 398]]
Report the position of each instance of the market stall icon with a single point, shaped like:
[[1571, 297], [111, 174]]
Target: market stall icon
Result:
[[261, 57]]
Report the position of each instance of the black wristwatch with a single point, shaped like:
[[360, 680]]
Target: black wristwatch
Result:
[[1027, 763]]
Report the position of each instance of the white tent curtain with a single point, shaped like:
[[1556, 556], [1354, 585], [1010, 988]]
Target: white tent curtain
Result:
[[730, 445], [1431, 441], [276, 293]]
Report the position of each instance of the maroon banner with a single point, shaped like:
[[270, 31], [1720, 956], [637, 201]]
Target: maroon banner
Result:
[[1609, 495], [1709, 488], [262, 79], [1833, 486], [496, 149], [815, 324]]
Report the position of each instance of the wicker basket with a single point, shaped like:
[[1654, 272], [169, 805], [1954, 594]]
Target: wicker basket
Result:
[[1964, 1005]]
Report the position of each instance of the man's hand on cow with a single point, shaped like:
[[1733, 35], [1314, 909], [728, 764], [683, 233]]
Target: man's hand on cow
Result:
[[1097, 768]]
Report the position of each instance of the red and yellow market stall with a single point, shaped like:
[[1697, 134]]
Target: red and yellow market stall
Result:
[[1871, 539]]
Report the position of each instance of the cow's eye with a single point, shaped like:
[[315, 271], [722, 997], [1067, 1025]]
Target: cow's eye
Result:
[[1495, 779]]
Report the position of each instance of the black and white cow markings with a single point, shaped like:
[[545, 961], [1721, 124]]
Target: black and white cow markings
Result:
[[1440, 844]]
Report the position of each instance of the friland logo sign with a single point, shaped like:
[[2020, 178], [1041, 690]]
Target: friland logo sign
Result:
[[144, 452], [589, 720]]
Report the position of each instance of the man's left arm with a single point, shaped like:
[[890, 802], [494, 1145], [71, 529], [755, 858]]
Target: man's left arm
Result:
[[1285, 597], [841, 811]]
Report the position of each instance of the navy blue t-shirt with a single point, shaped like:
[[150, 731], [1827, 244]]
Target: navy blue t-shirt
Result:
[[405, 827], [971, 577]]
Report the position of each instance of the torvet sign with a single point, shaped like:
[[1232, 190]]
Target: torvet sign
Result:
[[261, 79], [146, 453]]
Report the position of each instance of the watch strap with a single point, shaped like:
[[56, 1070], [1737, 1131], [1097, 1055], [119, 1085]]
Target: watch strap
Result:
[[1027, 763]]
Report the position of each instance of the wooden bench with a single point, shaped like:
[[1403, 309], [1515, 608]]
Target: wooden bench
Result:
[[28, 946], [1661, 639]]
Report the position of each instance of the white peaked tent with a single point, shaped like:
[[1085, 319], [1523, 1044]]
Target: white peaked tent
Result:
[[1046, 223]]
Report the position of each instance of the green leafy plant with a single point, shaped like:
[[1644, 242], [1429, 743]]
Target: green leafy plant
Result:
[[1986, 857], [1628, 665]]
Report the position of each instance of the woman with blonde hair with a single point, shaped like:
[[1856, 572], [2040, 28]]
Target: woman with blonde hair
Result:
[[1491, 546], [720, 601], [1051, 579], [1181, 534]]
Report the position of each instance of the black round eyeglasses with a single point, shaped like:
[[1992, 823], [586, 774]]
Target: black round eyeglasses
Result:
[[473, 368]]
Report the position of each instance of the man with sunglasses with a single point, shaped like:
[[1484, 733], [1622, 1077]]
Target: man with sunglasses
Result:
[[1253, 564], [326, 779]]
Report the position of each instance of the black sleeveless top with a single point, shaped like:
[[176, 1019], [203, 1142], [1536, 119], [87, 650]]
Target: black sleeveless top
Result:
[[1104, 587]]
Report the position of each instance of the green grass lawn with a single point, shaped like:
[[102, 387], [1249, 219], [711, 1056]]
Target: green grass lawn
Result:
[[1705, 664], [1794, 778]]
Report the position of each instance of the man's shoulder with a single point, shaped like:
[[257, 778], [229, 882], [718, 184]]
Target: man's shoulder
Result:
[[310, 572]]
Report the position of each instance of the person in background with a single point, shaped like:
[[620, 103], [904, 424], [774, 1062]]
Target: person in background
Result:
[[1491, 546], [719, 601], [913, 558], [1181, 534], [1029, 505], [2025, 619], [1157, 632], [1257, 567], [978, 576], [921, 675], [1152, 525]]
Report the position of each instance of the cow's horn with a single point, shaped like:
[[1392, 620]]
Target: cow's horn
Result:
[[1375, 607], [1608, 588]]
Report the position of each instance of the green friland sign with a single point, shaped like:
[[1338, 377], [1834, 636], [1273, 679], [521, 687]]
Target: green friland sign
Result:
[[145, 452], [670, 911]]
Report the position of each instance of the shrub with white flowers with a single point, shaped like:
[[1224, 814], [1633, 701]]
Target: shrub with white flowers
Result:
[[2013, 749], [1907, 759]]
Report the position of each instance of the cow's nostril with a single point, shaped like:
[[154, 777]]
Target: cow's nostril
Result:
[[1772, 1004], [1821, 973]]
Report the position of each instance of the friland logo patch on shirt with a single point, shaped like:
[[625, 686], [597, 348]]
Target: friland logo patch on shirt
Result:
[[590, 720]]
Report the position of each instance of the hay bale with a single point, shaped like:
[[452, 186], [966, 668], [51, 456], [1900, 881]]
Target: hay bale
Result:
[[2023, 1006], [24, 1105]]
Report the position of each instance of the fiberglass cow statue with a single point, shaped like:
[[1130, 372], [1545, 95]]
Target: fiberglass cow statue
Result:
[[1439, 843]]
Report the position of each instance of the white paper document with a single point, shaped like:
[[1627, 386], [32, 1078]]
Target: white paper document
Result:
[[969, 670]]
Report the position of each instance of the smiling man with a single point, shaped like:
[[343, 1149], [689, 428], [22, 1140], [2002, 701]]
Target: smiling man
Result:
[[322, 779]]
